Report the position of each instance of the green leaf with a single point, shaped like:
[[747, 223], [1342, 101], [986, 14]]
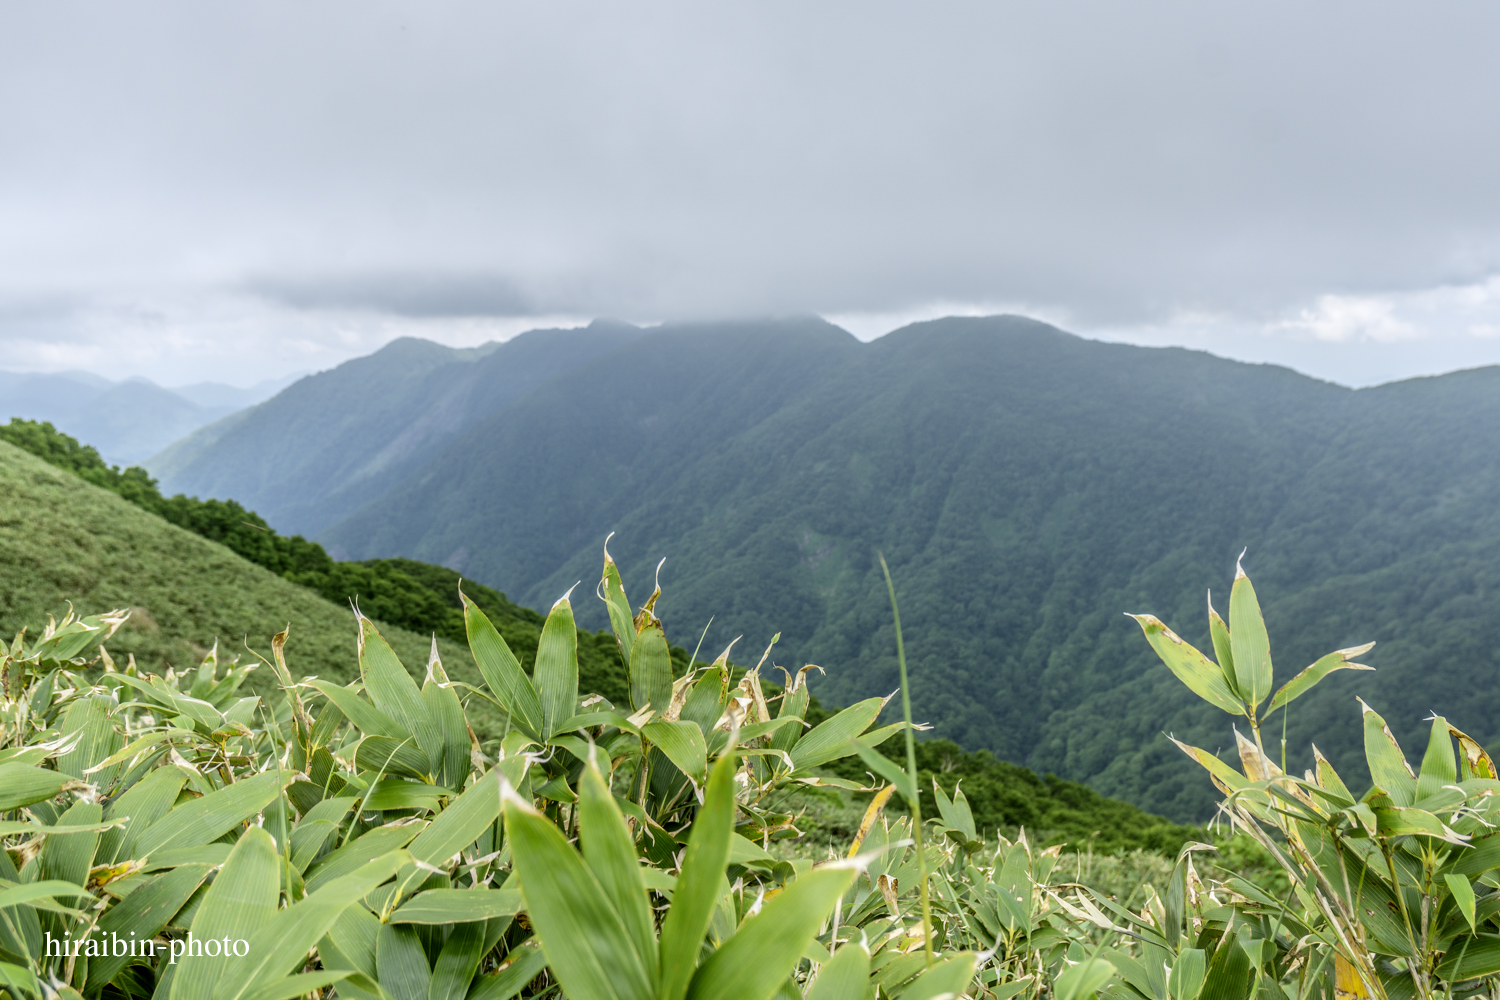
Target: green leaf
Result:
[[69, 856], [651, 669], [1388, 767], [98, 739], [1202, 677], [366, 717], [620, 619], [19, 895], [24, 784], [402, 963], [448, 712], [1188, 972], [1439, 765], [698, 883], [282, 944], [1223, 649], [830, 740], [1339, 659], [753, 963], [1224, 775], [683, 744], [1082, 980], [556, 671], [587, 947], [1407, 821], [1248, 640], [1463, 897], [299, 985], [363, 850], [845, 977], [378, 754], [206, 819], [951, 976], [525, 963], [502, 672], [394, 692], [464, 820], [146, 913], [610, 854], [241, 900], [394, 793], [457, 906], [147, 801], [457, 962], [886, 769]]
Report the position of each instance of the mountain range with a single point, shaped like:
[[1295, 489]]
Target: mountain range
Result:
[[129, 420], [1027, 487]]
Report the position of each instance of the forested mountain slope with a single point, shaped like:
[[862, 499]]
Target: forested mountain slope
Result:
[[331, 442], [1028, 487]]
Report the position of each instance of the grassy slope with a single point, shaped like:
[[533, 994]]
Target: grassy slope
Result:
[[63, 539]]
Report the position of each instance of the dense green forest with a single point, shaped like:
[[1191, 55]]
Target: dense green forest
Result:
[[1028, 487], [185, 590]]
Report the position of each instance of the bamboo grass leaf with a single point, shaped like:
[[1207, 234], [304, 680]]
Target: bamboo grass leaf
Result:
[[402, 963], [1202, 677], [1388, 767], [146, 913], [363, 850], [502, 671], [1225, 778], [1340, 659], [1248, 640], [621, 622], [586, 946], [21, 895], [241, 900], [205, 819], [456, 964], [1439, 766], [302, 984], [1223, 649], [845, 977], [683, 744], [950, 977], [382, 754], [1463, 897], [394, 692], [610, 854], [1085, 979], [651, 670], [466, 817], [702, 873], [147, 801], [830, 740], [24, 784], [281, 944], [366, 717], [753, 963], [98, 739], [448, 712], [458, 906], [525, 964], [556, 671], [69, 856]]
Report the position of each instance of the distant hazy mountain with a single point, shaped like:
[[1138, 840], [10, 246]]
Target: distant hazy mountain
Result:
[[127, 421], [331, 442], [1027, 487]]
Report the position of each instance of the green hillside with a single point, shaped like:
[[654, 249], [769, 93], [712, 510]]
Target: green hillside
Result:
[[1028, 487], [62, 538]]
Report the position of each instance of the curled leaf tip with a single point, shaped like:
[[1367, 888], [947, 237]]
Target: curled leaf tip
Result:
[[564, 598]]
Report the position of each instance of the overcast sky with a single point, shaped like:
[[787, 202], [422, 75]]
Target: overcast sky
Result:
[[239, 191]]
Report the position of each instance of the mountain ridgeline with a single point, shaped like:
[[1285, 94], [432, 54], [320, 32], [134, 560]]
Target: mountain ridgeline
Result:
[[1027, 487]]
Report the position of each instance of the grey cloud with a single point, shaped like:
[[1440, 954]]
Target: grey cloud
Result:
[[1119, 164]]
